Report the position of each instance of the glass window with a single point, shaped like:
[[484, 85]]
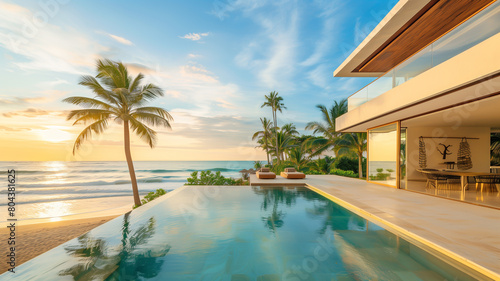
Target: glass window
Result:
[[383, 154]]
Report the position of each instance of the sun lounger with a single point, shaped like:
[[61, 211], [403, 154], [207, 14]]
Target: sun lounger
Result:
[[265, 173], [291, 173]]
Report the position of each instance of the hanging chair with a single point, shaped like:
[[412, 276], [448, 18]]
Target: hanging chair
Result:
[[422, 156], [464, 161]]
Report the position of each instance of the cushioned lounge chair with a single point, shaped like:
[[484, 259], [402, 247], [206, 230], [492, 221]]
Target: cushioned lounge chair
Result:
[[291, 173], [265, 173]]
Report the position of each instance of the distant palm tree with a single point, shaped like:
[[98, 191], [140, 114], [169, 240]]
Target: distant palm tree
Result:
[[323, 165], [289, 129], [327, 128], [354, 143], [264, 135], [285, 142], [120, 97], [298, 157], [275, 102]]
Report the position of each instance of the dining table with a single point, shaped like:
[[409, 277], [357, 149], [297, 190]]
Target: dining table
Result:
[[464, 175]]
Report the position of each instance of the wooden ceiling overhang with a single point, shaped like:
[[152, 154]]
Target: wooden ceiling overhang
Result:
[[433, 21]]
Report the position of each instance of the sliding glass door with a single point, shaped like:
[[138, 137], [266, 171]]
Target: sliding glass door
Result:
[[384, 155]]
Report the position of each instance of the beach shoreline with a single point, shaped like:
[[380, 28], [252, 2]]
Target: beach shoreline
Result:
[[35, 239]]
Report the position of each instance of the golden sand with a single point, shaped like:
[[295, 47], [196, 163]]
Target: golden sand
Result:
[[35, 239]]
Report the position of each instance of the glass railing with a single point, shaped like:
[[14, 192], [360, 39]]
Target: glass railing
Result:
[[472, 32]]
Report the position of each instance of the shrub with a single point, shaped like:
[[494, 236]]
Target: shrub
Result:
[[151, 196], [343, 173], [209, 178], [346, 164]]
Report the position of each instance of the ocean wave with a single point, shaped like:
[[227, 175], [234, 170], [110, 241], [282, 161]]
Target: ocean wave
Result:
[[102, 182], [90, 196], [161, 171]]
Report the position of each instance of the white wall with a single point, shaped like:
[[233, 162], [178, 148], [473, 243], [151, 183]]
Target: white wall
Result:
[[480, 149]]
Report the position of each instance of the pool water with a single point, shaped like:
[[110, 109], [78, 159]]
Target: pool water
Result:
[[238, 233]]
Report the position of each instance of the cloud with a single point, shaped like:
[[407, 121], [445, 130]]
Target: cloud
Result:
[[223, 131], [9, 129], [194, 36], [272, 52], [17, 100], [193, 56], [120, 39], [117, 38], [43, 45], [33, 112]]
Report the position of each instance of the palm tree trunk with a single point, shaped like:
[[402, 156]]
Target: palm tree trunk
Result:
[[135, 190], [276, 133], [360, 165], [267, 148]]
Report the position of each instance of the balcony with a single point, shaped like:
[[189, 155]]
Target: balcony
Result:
[[477, 29]]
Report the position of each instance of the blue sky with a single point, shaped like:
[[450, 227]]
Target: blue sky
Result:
[[215, 60]]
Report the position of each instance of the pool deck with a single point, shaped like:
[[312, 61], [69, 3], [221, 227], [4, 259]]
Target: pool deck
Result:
[[459, 232]]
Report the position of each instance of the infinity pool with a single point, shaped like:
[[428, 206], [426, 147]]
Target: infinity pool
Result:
[[238, 233]]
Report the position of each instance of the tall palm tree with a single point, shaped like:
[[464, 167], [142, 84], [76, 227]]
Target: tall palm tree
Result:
[[275, 102], [355, 143], [119, 97], [264, 135], [327, 128]]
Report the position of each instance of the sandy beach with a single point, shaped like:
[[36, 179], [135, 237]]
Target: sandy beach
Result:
[[35, 239]]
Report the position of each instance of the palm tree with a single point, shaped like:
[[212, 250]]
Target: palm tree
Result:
[[323, 165], [264, 135], [298, 157], [275, 102], [290, 129], [327, 128], [285, 142], [355, 143], [119, 97]]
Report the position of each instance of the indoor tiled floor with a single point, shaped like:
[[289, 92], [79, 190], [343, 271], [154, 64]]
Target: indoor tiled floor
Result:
[[488, 197]]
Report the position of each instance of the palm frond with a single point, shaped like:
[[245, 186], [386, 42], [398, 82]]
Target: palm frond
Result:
[[96, 127], [88, 102], [151, 91], [156, 110], [91, 83], [151, 119], [144, 132], [135, 83], [91, 114]]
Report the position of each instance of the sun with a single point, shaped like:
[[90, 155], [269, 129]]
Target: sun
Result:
[[54, 135]]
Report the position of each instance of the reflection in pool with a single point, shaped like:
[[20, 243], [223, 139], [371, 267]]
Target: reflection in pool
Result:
[[238, 233]]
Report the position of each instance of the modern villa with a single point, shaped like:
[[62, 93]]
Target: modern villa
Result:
[[429, 208], [431, 111]]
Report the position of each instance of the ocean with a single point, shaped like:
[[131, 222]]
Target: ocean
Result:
[[57, 189]]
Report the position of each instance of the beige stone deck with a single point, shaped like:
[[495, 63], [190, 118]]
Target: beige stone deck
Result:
[[462, 233]]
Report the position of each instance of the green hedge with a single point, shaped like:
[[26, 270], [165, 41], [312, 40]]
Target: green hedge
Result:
[[343, 173], [209, 178]]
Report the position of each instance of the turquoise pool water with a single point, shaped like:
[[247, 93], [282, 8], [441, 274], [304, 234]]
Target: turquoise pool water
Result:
[[238, 233]]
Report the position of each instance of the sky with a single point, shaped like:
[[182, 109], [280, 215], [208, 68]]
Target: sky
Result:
[[215, 61]]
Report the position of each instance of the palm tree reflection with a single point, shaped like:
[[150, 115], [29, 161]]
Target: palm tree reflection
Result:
[[273, 198], [127, 261]]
